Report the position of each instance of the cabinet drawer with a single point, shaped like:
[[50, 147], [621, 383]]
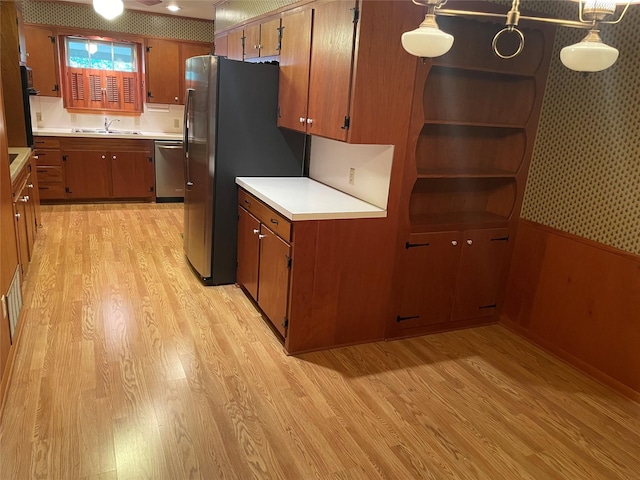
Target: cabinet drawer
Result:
[[48, 158], [49, 174], [52, 192], [276, 222], [46, 142]]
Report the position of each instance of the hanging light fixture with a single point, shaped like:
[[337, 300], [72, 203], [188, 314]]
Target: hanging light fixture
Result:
[[109, 9], [591, 54]]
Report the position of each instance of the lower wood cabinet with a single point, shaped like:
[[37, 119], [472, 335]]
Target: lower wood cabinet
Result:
[[95, 168], [264, 259], [451, 277], [26, 209]]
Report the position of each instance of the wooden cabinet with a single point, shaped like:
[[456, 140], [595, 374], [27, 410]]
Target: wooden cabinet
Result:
[[264, 258], [471, 137], [235, 45], [42, 57], [262, 39], [165, 68], [295, 57], [49, 168], [451, 277], [222, 45], [26, 215], [108, 169]]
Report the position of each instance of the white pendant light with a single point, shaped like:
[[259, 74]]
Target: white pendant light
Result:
[[427, 40], [589, 55], [109, 9]]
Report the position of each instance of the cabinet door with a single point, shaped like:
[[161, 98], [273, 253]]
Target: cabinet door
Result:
[[132, 174], [273, 287], [480, 276], [222, 45], [22, 237], [295, 55], [42, 57], [88, 174], [429, 270], [331, 66], [248, 252], [270, 38], [235, 48], [252, 41], [34, 194], [163, 74]]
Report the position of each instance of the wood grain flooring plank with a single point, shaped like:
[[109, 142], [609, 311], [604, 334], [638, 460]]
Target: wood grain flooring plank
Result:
[[129, 367]]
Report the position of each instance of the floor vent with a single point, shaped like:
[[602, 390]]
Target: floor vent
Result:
[[14, 302]]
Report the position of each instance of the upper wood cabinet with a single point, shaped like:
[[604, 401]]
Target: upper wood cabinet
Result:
[[262, 39], [295, 55], [222, 45], [235, 47], [165, 67], [42, 57]]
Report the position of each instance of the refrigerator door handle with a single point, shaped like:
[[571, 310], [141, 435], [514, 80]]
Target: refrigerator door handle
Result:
[[185, 133]]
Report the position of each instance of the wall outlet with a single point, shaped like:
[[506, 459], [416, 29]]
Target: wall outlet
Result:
[[38, 116], [176, 123], [352, 176]]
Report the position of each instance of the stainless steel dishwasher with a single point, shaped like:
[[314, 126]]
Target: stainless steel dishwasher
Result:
[[169, 171]]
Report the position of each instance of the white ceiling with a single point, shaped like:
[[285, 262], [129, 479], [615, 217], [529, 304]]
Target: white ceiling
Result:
[[188, 8]]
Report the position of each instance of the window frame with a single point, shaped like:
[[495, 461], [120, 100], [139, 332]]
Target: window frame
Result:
[[134, 80]]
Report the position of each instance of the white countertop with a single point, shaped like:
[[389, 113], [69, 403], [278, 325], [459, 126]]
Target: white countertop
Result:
[[24, 153], [67, 132], [301, 198]]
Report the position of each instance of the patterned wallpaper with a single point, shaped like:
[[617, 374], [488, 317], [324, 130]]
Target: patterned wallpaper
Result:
[[233, 12], [585, 172], [139, 23]]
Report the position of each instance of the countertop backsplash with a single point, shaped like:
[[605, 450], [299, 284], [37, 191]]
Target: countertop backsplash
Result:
[[156, 118]]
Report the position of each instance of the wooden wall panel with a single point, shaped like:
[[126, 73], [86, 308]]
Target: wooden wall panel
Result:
[[579, 299]]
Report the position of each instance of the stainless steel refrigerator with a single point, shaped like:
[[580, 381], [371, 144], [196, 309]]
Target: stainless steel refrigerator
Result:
[[229, 131]]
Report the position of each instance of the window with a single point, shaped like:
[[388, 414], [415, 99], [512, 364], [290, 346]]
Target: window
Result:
[[101, 75]]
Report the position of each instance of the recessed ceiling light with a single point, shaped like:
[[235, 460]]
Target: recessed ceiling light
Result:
[[173, 8]]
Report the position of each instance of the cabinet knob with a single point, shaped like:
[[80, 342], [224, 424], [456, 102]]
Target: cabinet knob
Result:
[[469, 242], [103, 156], [17, 215], [454, 242], [175, 98], [114, 157], [309, 121], [36, 157], [25, 199], [261, 236], [301, 119], [30, 185], [255, 230]]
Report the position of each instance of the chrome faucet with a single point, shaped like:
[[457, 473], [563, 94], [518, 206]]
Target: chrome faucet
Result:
[[108, 123]]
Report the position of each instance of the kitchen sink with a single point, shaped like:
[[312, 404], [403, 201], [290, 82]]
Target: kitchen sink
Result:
[[105, 132]]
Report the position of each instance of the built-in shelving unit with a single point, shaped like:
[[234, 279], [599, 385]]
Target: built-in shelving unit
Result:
[[471, 138]]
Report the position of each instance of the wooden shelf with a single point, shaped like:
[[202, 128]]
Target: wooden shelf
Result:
[[481, 173], [478, 98], [457, 221], [469, 150]]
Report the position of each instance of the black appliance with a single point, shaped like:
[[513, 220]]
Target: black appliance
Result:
[[27, 90]]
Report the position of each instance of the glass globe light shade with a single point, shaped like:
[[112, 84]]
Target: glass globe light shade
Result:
[[109, 9], [427, 40], [589, 55]]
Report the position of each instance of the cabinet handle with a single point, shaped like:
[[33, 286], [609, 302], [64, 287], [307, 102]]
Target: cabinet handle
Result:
[[309, 121], [469, 242], [36, 157], [260, 237], [175, 98], [30, 185], [103, 156], [454, 242], [17, 216], [114, 157], [247, 202], [189, 184], [301, 119], [25, 199], [274, 221], [255, 230]]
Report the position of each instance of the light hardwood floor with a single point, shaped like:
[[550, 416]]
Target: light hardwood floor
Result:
[[129, 368]]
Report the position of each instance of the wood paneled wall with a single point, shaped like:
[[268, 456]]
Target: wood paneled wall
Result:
[[580, 300]]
